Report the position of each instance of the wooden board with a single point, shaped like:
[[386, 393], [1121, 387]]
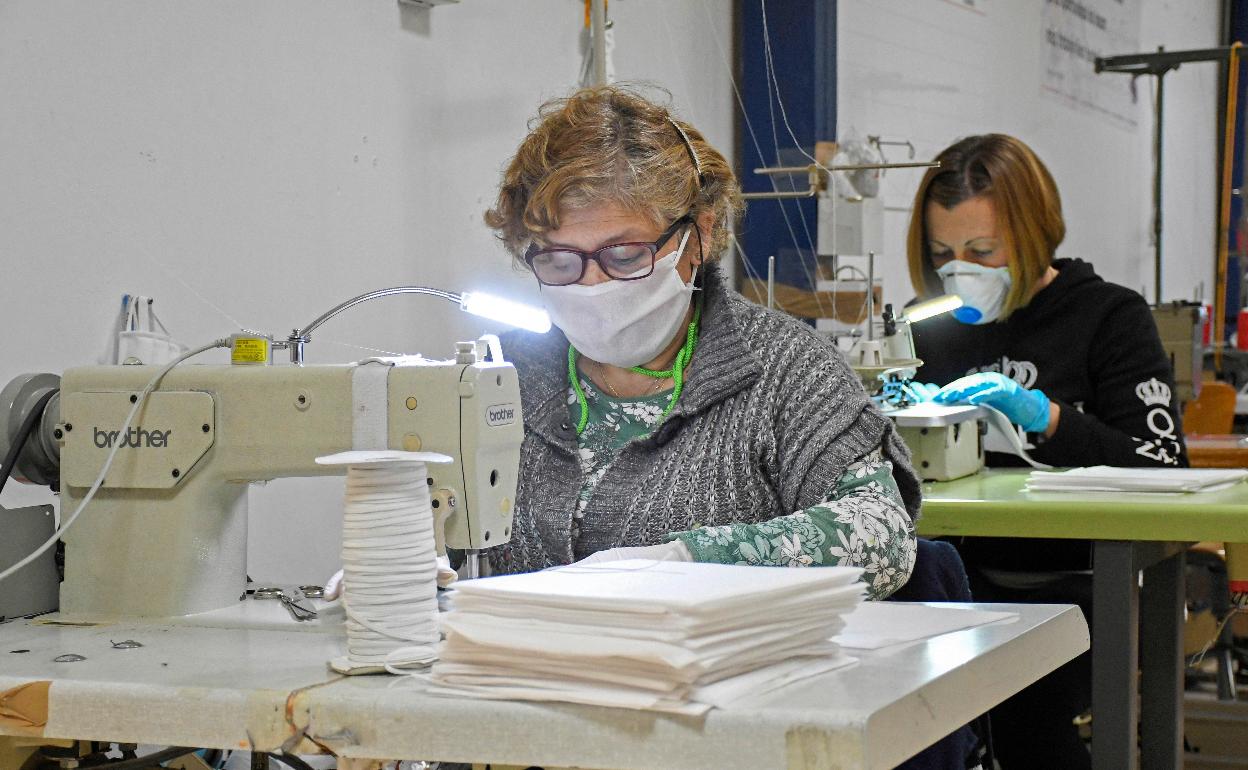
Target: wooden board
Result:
[[844, 306], [1217, 451]]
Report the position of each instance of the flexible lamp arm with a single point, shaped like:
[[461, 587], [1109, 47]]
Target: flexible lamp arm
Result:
[[300, 337]]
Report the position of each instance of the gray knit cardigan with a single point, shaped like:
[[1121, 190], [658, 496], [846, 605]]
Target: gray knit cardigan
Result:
[[769, 419]]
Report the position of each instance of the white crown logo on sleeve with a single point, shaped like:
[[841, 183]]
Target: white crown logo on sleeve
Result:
[[1153, 392]]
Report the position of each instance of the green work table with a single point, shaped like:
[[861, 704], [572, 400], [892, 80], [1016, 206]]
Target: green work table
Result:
[[993, 503], [1130, 533]]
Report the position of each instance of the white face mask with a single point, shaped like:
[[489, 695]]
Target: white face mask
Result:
[[983, 289], [623, 323]]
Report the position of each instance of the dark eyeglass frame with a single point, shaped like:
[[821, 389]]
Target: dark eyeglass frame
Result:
[[653, 247]]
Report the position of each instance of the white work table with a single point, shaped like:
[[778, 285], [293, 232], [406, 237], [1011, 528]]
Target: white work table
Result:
[[268, 688]]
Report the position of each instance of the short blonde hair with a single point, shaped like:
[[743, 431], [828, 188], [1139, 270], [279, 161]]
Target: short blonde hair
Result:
[[1023, 194], [610, 144]]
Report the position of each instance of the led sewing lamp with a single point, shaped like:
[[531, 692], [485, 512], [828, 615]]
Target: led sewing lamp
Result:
[[921, 311], [477, 303], [891, 358]]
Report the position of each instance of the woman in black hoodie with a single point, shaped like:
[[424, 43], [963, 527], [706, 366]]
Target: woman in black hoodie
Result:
[[1073, 360]]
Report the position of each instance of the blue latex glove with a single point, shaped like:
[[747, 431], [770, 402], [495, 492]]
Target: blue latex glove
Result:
[[921, 391], [1026, 408]]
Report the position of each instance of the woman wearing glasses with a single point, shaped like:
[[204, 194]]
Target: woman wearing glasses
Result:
[[665, 416]]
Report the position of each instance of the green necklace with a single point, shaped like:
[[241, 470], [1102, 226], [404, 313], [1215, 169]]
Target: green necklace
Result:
[[676, 373]]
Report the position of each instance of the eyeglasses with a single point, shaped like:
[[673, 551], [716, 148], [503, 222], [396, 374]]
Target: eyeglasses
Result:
[[622, 261]]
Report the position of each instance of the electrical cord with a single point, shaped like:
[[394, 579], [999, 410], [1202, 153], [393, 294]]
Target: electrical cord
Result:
[[23, 434], [773, 84], [108, 463], [291, 761]]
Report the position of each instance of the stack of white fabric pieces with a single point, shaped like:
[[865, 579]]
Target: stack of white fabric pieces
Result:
[[677, 637], [1102, 478]]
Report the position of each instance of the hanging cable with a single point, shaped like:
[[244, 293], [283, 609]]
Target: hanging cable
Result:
[[758, 148], [771, 72], [773, 94]]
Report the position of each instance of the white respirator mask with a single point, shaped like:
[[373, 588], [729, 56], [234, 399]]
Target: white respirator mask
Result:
[[623, 323], [982, 289]]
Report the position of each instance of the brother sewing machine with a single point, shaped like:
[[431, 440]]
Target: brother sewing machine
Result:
[[166, 534]]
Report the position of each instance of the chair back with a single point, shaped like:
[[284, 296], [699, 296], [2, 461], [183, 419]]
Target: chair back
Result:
[[1213, 411]]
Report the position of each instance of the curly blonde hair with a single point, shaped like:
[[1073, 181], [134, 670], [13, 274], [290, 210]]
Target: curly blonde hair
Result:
[[611, 144]]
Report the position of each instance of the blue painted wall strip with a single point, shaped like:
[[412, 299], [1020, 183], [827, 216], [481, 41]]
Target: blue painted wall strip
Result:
[[803, 51]]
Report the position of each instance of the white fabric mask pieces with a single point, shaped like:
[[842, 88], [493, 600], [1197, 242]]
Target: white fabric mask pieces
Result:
[[138, 336], [982, 289], [623, 323]]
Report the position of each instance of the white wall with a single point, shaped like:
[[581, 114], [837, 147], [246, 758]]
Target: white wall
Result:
[[255, 163], [934, 71]]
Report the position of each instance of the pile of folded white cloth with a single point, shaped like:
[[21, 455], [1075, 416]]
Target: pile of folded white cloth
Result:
[[1103, 478], [669, 636]]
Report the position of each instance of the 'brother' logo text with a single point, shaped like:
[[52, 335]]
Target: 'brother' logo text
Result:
[[500, 414], [135, 437]]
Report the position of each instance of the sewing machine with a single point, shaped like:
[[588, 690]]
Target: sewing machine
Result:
[[166, 535], [946, 442]]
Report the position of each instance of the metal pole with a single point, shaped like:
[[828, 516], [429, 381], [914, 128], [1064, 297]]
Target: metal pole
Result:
[[1161, 664], [1158, 64], [771, 282], [1161, 61], [814, 173], [870, 295], [783, 195], [1115, 656], [1157, 164], [826, 167], [598, 30]]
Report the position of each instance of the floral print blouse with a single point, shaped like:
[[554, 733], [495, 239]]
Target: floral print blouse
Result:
[[861, 523]]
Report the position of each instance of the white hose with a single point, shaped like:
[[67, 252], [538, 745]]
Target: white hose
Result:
[[108, 462], [389, 567]]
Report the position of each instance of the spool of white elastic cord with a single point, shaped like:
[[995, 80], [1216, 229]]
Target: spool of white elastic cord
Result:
[[388, 561]]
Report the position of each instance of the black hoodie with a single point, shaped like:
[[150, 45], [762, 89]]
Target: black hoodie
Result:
[[1091, 347]]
